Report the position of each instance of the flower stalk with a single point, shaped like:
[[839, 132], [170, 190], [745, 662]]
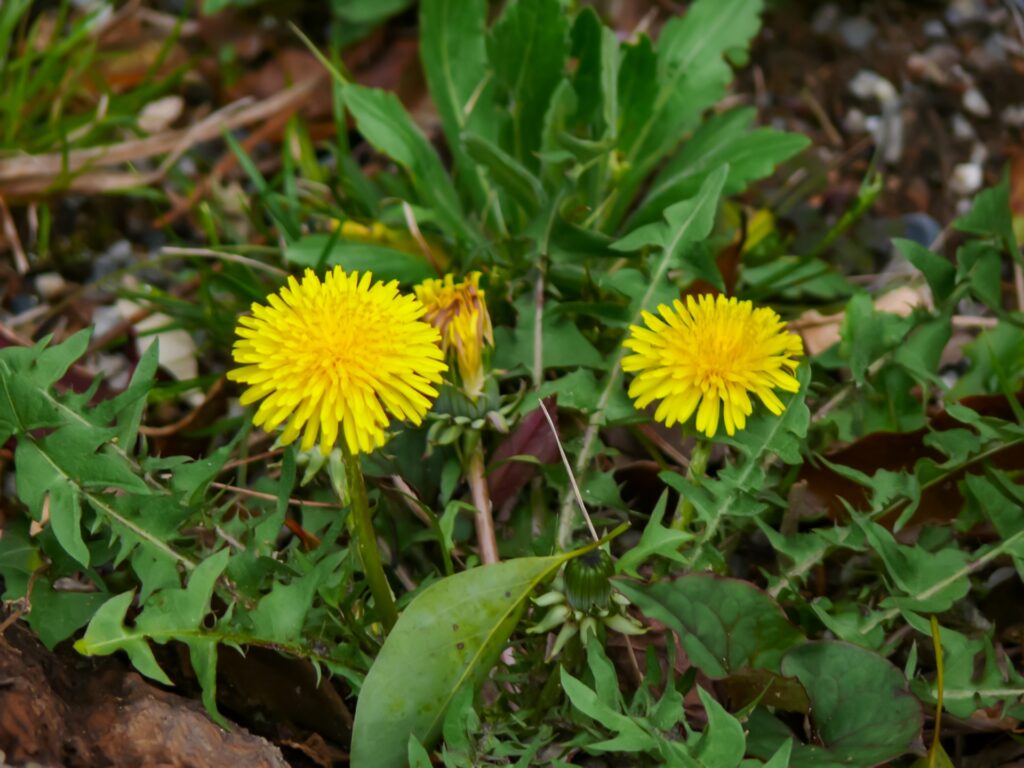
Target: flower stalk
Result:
[[459, 311], [695, 473], [365, 538], [484, 520]]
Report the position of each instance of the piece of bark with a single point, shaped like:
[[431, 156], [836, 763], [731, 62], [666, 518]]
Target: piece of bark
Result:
[[58, 709]]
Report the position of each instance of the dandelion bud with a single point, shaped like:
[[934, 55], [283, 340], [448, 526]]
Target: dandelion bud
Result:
[[587, 581], [459, 312]]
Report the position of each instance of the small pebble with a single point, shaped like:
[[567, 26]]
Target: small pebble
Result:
[[158, 115], [856, 32], [50, 285], [868, 84], [117, 256], [962, 11], [921, 228], [966, 179], [975, 103], [825, 18], [924, 67], [962, 128], [1013, 115], [105, 317], [114, 368], [855, 121], [23, 302]]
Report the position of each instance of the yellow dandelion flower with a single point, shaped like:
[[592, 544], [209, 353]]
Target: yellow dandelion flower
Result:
[[459, 312], [343, 354], [712, 353]]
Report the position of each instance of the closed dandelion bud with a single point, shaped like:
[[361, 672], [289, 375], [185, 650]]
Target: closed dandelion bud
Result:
[[587, 581], [459, 312]]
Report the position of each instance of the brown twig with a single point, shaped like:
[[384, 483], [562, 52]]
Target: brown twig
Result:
[[189, 418], [226, 164], [25, 175], [11, 233], [414, 230], [271, 497]]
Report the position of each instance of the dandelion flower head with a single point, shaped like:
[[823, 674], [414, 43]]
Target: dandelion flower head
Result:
[[710, 355], [342, 356], [459, 312]]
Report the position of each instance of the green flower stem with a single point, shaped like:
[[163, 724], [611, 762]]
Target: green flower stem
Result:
[[365, 538], [695, 473]]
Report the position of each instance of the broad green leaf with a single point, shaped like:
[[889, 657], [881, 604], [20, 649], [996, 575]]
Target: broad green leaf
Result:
[[418, 756], [861, 705], [782, 435], [580, 391], [724, 624], [507, 172], [381, 118], [527, 49], [940, 274], [723, 742], [779, 760], [995, 354], [725, 139], [26, 373], [923, 577], [657, 539], [990, 216], [454, 55], [385, 263], [562, 344], [606, 681], [280, 615], [867, 334], [449, 637], [57, 470], [685, 222], [107, 634], [974, 678], [369, 12], [691, 75], [921, 352], [170, 614], [629, 735], [56, 615], [980, 266], [595, 81]]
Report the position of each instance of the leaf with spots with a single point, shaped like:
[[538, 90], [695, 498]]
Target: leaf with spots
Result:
[[448, 638]]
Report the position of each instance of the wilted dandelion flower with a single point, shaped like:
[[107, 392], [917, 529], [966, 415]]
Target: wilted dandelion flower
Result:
[[345, 354], [459, 312], [709, 355]]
